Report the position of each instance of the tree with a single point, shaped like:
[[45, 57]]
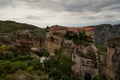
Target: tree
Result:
[[4, 47], [59, 66], [19, 65]]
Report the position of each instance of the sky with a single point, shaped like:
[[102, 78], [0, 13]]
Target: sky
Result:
[[73, 13]]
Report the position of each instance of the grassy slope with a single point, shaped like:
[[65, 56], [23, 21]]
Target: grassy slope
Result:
[[10, 26]]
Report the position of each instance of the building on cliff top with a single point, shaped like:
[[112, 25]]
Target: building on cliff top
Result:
[[59, 28]]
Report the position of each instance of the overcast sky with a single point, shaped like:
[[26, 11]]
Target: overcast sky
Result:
[[61, 12]]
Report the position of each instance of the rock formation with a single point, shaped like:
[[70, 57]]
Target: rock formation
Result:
[[83, 54], [113, 59], [23, 39]]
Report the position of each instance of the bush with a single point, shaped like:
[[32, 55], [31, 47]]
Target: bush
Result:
[[96, 78], [8, 55], [35, 62], [9, 77], [30, 69], [59, 66], [19, 65], [65, 64], [4, 47], [101, 49], [4, 40], [23, 58], [46, 53], [78, 39], [6, 67], [85, 43]]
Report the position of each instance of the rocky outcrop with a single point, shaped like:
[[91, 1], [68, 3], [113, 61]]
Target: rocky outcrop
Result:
[[84, 57], [83, 54], [113, 59], [24, 40], [53, 41]]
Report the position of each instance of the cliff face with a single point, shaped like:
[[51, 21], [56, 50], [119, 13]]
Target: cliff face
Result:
[[82, 49], [113, 59], [85, 58], [53, 41], [103, 32]]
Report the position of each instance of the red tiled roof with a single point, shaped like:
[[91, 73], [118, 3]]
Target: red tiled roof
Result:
[[55, 28]]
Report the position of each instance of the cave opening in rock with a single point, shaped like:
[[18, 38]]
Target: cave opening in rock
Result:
[[87, 77]]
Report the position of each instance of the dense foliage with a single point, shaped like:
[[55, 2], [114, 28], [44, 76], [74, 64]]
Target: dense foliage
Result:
[[59, 67], [12, 60], [77, 39], [17, 62]]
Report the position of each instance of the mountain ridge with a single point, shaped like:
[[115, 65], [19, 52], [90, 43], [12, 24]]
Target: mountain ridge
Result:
[[102, 31], [11, 26]]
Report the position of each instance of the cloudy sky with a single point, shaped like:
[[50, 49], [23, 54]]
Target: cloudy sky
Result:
[[62, 12]]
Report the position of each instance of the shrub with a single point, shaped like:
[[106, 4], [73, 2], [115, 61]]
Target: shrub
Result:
[[4, 47], [85, 43], [101, 49], [46, 53], [6, 67], [35, 62], [78, 39], [30, 69], [23, 58], [59, 66], [8, 55], [9, 77], [96, 78], [19, 65], [65, 64]]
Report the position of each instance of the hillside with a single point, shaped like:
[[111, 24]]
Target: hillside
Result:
[[11, 26], [104, 32]]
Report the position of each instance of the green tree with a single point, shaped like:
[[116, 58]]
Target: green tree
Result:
[[59, 66], [4, 47], [6, 67]]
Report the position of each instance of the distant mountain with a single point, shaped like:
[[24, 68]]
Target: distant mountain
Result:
[[104, 32], [10, 26]]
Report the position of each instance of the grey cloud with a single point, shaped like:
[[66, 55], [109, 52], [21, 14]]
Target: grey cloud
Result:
[[90, 17], [91, 5], [72, 5], [6, 3], [33, 17], [66, 5], [71, 10], [109, 16], [115, 8]]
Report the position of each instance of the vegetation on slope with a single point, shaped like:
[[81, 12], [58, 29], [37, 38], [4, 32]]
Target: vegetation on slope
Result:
[[10, 26], [23, 65]]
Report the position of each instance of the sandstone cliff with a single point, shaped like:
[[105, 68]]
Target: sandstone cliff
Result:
[[78, 44], [113, 59]]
